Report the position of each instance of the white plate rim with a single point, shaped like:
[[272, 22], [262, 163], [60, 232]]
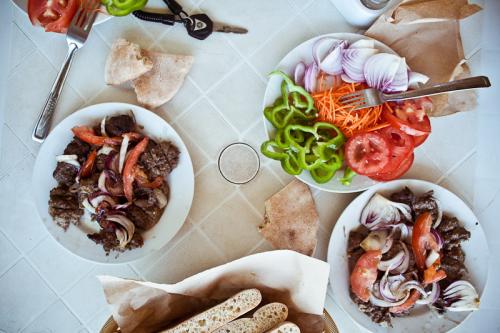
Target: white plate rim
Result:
[[346, 215], [305, 177], [92, 111]]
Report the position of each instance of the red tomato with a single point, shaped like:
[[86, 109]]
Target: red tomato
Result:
[[87, 134], [401, 147], [367, 153], [364, 274], [414, 296], [89, 164], [129, 168], [422, 239], [418, 140], [53, 15], [400, 170], [410, 116], [434, 274]]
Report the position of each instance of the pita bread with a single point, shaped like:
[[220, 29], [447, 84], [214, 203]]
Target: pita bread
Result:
[[126, 61], [291, 220], [159, 85]]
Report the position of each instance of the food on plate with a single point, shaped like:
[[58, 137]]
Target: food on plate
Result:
[[126, 61], [161, 83], [264, 319], [221, 314], [156, 77], [123, 7], [116, 174], [407, 253], [286, 327], [377, 142], [53, 16], [291, 220]]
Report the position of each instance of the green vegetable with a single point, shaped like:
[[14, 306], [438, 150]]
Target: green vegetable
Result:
[[123, 7], [348, 176]]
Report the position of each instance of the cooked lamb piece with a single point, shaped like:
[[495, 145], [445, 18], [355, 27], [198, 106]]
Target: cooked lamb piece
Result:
[[455, 253], [87, 186], [405, 196], [64, 207], [447, 223], [144, 219], [118, 125], [426, 203], [454, 269], [377, 314], [159, 159], [65, 173], [356, 237], [79, 148], [110, 242]]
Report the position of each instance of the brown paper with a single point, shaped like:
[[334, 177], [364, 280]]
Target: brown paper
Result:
[[283, 276], [427, 34]]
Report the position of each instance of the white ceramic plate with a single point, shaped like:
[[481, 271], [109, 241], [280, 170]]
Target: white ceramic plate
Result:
[[181, 182], [421, 319], [23, 5], [303, 52]]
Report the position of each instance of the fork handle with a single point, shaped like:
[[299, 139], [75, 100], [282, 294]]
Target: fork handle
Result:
[[464, 84], [44, 119]]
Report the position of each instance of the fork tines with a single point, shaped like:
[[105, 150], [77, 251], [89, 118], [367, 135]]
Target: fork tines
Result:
[[86, 14]]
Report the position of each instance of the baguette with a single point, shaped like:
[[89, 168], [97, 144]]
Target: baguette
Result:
[[221, 314], [263, 319], [286, 327]]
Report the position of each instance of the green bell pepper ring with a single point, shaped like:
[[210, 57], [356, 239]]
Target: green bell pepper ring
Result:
[[292, 87], [266, 150], [322, 175], [289, 161], [291, 165], [349, 174], [307, 160], [123, 7]]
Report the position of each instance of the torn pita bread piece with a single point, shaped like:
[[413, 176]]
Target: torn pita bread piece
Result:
[[126, 61], [291, 220], [159, 85]]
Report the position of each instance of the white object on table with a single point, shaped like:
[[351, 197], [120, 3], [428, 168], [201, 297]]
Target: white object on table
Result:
[[357, 13]]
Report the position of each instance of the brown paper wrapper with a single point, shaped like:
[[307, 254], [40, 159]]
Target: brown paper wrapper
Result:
[[427, 34], [283, 276]]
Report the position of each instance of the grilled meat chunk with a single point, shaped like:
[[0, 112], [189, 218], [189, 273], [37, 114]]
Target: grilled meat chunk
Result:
[[118, 125], [65, 174], [426, 203], [109, 241], [159, 159], [64, 207], [79, 148], [405, 196]]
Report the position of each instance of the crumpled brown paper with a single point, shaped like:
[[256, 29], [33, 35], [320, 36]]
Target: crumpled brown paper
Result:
[[427, 34], [284, 276]]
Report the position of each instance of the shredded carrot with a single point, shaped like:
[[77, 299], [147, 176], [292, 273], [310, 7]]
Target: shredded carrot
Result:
[[350, 122]]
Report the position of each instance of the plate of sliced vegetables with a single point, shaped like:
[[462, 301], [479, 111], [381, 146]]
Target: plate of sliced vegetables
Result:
[[329, 145], [408, 256]]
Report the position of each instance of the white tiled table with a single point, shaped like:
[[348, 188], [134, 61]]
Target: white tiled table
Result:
[[43, 288]]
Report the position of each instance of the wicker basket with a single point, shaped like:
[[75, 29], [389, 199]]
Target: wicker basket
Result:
[[111, 327]]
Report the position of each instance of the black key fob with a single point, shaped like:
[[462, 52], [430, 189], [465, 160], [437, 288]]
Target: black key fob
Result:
[[199, 26]]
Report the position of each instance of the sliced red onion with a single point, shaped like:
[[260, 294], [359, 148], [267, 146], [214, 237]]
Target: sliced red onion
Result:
[[432, 296], [111, 162], [122, 206], [103, 126], [409, 285], [332, 63], [161, 198], [323, 47], [86, 204], [431, 258], [377, 240], [123, 152], [113, 183], [310, 77], [392, 263], [105, 150], [363, 44], [70, 159], [380, 212], [126, 225], [353, 63], [299, 73], [100, 198], [122, 236], [389, 285], [386, 72], [437, 236], [461, 296], [101, 182], [416, 79], [403, 267], [387, 304]]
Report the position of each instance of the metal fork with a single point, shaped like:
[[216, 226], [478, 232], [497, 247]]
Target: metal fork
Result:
[[77, 34], [372, 97]]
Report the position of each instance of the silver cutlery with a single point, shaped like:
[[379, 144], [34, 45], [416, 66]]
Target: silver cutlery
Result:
[[77, 34], [372, 97]]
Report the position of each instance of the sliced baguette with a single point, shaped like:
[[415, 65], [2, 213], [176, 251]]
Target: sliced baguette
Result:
[[263, 319], [286, 327], [221, 314]]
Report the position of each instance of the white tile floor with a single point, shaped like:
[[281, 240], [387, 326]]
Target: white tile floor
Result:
[[45, 289]]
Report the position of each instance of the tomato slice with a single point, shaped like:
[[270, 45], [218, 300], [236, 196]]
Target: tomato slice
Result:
[[87, 134], [422, 239], [367, 153], [401, 145], [53, 15], [397, 173], [409, 116], [414, 296], [89, 164], [434, 274], [418, 140], [364, 274]]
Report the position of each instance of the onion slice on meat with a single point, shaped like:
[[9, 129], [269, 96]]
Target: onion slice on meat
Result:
[[103, 126], [461, 296], [387, 304], [123, 152], [100, 198], [161, 198], [403, 267], [86, 204], [392, 263], [105, 150], [126, 225], [101, 182], [377, 240], [431, 258], [70, 159], [432, 296], [380, 212]]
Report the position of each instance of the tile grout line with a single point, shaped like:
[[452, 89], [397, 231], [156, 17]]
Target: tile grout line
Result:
[[219, 251], [259, 243], [456, 166], [255, 210]]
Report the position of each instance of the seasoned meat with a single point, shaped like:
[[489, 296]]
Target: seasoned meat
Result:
[[159, 159], [455, 253], [395, 248], [100, 162], [447, 223], [79, 148], [109, 241], [87, 186], [377, 314], [65, 173], [424, 203], [144, 197], [144, 218], [405, 196], [454, 269], [118, 125], [64, 207], [355, 238]]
